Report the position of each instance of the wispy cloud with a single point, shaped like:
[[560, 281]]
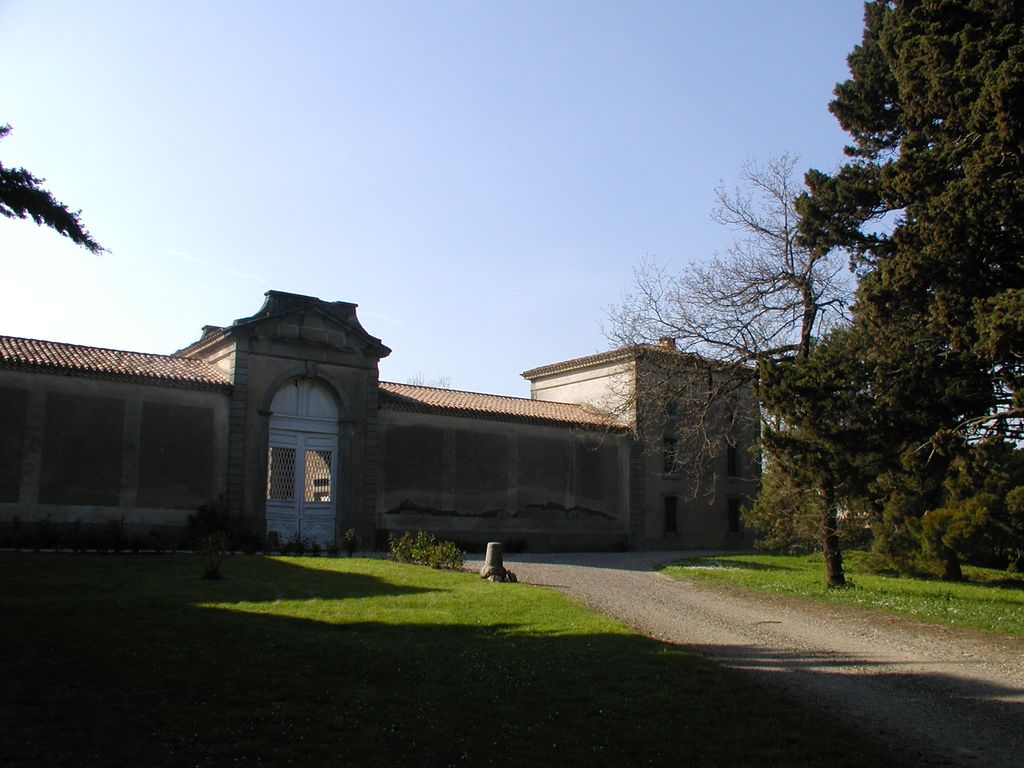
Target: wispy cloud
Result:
[[404, 326], [219, 267]]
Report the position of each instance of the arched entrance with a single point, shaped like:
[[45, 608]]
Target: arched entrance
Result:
[[302, 463]]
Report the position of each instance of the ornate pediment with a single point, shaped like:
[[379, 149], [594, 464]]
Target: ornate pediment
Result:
[[297, 321]]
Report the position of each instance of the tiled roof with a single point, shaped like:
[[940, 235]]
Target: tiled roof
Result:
[[39, 356], [408, 397]]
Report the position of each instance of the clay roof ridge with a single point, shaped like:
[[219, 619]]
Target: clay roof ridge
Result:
[[503, 407], [632, 351], [18, 352], [467, 392], [90, 347], [581, 362], [214, 335]]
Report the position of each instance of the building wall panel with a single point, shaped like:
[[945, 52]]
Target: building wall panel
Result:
[[176, 455], [13, 405], [83, 443]]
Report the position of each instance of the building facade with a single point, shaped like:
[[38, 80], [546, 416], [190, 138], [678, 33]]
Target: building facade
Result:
[[281, 417]]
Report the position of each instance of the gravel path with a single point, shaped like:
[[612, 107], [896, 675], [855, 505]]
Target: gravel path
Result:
[[953, 697]]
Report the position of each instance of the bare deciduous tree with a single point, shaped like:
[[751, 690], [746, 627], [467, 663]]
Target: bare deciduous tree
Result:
[[767, 297], [419, 379]]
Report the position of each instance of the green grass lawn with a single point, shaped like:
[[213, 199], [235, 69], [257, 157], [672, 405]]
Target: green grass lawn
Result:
[[990, 600], [133, 660]]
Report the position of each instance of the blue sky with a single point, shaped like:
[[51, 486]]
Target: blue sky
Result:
[[481, 178]]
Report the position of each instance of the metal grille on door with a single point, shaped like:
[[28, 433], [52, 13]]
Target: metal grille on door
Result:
[[281, 474], [318, 475], [301, 470]]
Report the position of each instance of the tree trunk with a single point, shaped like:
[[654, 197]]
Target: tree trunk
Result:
[[834, 575], [951, 566]]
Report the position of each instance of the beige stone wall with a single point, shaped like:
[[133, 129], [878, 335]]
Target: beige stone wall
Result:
[[606, 387], [705, 511]]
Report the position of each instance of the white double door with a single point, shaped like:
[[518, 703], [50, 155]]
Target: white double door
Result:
[[302, 485]]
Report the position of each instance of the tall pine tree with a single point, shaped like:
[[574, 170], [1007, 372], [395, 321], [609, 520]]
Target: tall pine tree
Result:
[[930, 207]]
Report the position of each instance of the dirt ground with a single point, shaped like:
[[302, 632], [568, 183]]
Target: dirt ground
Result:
[[951, 697]]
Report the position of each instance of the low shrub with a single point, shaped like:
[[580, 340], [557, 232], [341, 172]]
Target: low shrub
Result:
[[273, 541], [425, 549], [14, 533], [215, 517], [46, 535], [299, 545], [112, 535], [296, 544], [215, 547], [350, 541]]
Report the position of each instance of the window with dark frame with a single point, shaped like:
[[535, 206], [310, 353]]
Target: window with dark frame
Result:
[[734, 515], [670, 446], [731, 461], [671, 514]]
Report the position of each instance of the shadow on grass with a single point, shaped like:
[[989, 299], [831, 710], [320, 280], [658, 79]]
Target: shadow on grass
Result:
[[246, 578], [115, 661], [937, 709], [283, 578], [1015, 585]]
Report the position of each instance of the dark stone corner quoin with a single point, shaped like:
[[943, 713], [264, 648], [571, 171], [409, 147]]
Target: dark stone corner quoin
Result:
[[281, 417]]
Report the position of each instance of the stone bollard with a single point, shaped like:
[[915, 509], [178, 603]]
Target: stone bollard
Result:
[[494, 568]]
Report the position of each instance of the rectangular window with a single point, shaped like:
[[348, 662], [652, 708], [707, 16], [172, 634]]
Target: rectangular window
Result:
[[670, 448], [734, 515], [671, 514], [731, 461]]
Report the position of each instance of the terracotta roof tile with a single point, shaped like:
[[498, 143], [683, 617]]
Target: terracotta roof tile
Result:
[[612, 356], [620, 355], [111, 364], [408, 397]]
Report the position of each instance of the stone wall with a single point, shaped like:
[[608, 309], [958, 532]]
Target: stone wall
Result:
[[92, 450], [527, 485]]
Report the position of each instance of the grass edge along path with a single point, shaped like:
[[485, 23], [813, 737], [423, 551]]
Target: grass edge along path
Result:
[[988, 600], [133, 659]]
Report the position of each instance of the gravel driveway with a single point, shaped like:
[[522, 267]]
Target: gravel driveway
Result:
[[954, 697]]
